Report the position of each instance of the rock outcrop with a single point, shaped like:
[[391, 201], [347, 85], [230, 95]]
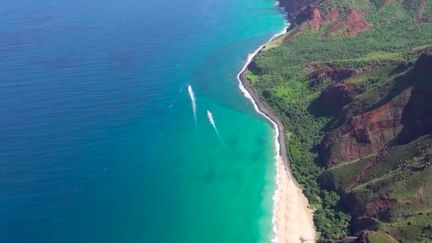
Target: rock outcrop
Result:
[[311, 12], [335, 97], [332, 73], [353, 24], [298, 11]]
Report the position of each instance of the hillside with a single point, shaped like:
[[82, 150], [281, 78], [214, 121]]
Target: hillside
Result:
[[352, 84]]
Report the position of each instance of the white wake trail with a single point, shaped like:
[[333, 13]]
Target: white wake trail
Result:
[[193, 100], [212, 122]]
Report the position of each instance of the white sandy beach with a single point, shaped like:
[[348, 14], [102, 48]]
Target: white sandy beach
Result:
[[292, 219]]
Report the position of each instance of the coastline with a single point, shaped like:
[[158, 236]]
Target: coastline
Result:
[[292, 219]]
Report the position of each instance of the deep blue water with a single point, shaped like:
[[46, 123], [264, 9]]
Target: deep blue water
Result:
[[97, 138]]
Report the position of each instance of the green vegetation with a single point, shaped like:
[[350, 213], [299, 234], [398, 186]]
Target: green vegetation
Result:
[[281, 76], [251, 77], [378, 237], [415, 228]]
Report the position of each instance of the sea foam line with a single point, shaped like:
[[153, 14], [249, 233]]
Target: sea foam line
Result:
[[246, 93]]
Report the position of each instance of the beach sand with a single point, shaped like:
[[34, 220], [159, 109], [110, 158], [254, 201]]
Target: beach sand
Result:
[[293, 220]]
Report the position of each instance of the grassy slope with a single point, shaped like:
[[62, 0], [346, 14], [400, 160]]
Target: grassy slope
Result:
[[280, 74]]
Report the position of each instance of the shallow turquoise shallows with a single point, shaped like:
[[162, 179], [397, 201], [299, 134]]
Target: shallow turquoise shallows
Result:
[[98, 140]]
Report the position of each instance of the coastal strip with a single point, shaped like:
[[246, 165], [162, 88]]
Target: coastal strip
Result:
[[292, 219]]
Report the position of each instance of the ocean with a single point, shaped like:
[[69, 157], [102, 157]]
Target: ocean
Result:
[[99, 139]]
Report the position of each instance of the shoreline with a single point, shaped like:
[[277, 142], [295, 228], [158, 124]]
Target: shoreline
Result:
[[292, 219]]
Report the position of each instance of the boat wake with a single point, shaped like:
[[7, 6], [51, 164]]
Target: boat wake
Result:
[[212, 122], [193, 101]]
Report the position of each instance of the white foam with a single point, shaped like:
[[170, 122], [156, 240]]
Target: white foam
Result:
[[193, 101], [210, 117], [212, 122]]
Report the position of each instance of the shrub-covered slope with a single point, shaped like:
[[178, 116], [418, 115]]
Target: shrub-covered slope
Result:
[[352, 83]]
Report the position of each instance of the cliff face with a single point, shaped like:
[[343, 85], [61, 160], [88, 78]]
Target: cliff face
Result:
[[299, 11], [417, 116], [348, 22], [377, 150], [402, 115], [385, 146]]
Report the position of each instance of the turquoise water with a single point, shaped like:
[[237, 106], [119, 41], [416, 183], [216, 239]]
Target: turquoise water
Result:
[[98, 142]]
